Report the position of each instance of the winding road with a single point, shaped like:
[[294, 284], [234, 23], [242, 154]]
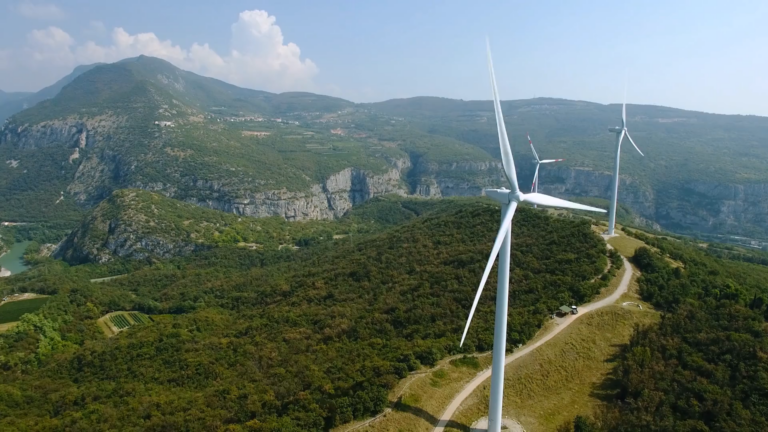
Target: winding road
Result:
[[484, 375]]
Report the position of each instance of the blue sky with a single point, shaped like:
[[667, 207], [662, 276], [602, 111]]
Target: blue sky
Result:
[[702, 55]]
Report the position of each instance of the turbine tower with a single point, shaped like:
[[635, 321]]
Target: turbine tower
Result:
[[620, 132], [535, 185], [509, 200]]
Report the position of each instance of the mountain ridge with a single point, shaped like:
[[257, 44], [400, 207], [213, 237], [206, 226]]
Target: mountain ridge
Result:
[[294, 154]]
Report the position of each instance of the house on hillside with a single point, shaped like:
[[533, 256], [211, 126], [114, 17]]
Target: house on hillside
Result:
[[565, 310]]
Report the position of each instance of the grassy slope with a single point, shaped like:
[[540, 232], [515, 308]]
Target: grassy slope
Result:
[[419, 399], [562, 378]]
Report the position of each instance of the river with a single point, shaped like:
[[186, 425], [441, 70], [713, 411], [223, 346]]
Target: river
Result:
[[12, 260]]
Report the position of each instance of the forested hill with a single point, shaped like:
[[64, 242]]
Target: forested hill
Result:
[[703, 367], [281, 340]]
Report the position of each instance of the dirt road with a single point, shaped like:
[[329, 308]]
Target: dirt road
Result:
[[484, 375]]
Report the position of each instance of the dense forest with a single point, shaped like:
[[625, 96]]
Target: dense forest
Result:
[[281, 340], [703, 367]]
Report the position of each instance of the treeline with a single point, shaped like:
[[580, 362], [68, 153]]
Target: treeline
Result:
[[703, 367], [281, 340]]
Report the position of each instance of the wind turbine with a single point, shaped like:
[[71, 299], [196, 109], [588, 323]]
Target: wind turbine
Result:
[[535, 185], [509, 200], [620, 132]]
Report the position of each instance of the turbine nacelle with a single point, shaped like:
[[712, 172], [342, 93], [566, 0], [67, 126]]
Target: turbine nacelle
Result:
[[504, 195], [616, 129]]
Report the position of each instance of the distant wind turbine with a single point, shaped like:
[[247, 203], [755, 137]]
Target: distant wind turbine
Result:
[[509, 200], [535, 185], [620, 132]]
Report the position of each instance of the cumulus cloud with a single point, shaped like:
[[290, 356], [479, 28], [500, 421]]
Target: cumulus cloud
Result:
[[51, 44], [258, 56], [41, 11]]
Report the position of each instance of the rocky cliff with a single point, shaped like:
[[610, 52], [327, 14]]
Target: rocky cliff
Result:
[[328, 200], [705, 207], [125, 227], [96, 163]]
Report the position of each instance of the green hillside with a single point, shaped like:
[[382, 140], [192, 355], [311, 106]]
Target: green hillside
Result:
[[679, 145], [12, 96], [703, 366], [277, 340]]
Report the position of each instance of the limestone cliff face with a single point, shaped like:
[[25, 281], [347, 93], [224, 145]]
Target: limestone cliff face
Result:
[[99, 168], [706, 207], [717, 208], [71, 133], [328, 200], [455, 179]]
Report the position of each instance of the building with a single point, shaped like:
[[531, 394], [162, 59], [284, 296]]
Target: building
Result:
[[565, 310]]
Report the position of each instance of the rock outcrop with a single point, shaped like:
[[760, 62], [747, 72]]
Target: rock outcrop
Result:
[[331, 199]]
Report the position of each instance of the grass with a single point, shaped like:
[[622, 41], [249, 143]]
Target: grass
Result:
[[420, 399], [115, 322], [625, 245], [563, 377], [12, 311], [612, 286], [7, 326]]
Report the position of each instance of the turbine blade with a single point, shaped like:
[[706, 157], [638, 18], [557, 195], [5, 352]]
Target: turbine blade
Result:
[[503, 232], [550, 201], [551, 160], [535, 176], [506, 151], [621, 138], [633, 143], [624, 104], [533, 149]]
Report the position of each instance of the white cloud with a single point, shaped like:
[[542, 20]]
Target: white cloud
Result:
[[258, 56], [51, 44], [41, 11]]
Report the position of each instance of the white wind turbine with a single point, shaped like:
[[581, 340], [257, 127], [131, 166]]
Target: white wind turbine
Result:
[[509, 200], [535, 185], [620, 132]]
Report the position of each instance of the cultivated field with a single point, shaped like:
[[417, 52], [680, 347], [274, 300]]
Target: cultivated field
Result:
[[115, 322]]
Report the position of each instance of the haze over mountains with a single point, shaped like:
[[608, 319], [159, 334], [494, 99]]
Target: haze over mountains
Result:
[[143, 123]]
